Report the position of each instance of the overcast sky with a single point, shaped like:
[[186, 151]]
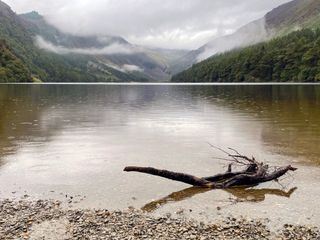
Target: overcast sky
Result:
[[159, 23]]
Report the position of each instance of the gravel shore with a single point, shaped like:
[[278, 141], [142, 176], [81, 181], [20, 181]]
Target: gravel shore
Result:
[[49, 220]]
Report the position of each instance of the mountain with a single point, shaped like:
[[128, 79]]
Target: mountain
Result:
[[54, 56], [37, 25], [280, 21], [108, 51], [47, 66], [51, 55], [291, 58], [249, 34], [292, 16]]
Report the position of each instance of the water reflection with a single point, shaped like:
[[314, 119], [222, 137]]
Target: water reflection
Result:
[[77, 139], [241, 195], [258, 195], [289, 115]]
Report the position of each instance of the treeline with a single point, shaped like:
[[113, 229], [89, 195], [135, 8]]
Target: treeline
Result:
[[292, 58], [12, 69]]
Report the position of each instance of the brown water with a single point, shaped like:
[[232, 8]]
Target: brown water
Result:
[[76, 139]]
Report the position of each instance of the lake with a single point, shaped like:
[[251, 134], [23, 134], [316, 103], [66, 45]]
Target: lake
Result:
[[58, 140]]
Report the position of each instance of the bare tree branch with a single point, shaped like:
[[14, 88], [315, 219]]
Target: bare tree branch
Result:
[[254, 173]]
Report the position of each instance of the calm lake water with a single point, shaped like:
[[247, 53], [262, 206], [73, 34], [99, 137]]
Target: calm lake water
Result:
[[76, 140]]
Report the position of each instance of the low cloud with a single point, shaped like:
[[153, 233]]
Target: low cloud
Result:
[[131, 68], [124, 68], [157, 23], [112, 49], [254, 32]]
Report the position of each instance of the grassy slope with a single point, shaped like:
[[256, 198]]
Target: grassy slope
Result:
[[293, 15]]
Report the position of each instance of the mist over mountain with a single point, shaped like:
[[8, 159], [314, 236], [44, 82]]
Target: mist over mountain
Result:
[[282, 20], [50, 54], [288, 50], [20, 36], [36, 24], [111, 51], [168, 24]]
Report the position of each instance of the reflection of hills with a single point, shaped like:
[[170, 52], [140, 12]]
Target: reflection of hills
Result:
[[290, 115], [36, 113], [19, 118]]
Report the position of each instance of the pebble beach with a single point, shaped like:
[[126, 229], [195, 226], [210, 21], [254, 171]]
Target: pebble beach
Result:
[[48, 219]]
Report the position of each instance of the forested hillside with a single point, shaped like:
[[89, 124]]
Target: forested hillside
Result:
[[292, 58], [284, 19], [150, 63], [51, 67], [12, 68]]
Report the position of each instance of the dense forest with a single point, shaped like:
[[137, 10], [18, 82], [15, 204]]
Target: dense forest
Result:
[[12, 68], [291, 58]]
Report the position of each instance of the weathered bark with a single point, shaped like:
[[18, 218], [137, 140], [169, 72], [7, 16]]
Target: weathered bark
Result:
[[229, 174], [181, 177], [260, 176]]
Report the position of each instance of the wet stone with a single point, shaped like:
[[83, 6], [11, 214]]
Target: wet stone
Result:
[[48, 220]]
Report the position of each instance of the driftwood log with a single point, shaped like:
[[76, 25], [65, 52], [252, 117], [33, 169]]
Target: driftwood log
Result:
[[253, 173]]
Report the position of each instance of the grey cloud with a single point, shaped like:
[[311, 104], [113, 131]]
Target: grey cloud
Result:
[[109, 50], [131, 68], [250, 34], [123, 68], [160, 23]]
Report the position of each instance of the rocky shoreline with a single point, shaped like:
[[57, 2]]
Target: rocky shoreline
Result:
[[47, 219]]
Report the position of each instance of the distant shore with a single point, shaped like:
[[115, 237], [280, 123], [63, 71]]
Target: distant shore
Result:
[[172, 83], [47, 219]]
